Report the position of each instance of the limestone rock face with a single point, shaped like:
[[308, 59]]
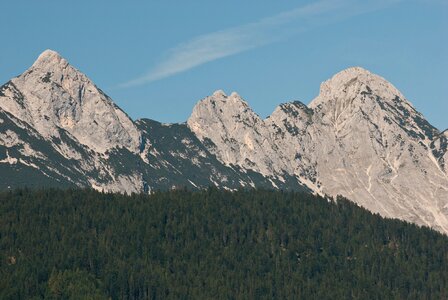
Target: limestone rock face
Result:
[[54, 110], [237, 134], [359, 138], [439, 148], [289, 125], [52, 94], [362, 139]]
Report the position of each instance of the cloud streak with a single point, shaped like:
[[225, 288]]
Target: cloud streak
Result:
[[212, 46]]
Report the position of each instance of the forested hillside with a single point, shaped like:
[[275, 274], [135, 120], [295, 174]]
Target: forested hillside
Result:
[[82, 244]]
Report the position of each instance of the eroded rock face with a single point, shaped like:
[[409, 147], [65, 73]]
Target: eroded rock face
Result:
[[52, 94], [365, 141], [236, 134], [439, 147], [359, 138]]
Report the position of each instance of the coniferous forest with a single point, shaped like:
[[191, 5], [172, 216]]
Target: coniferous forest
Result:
[[212, 244]]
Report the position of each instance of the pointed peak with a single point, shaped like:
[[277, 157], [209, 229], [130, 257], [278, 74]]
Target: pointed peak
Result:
[[49, 57], [49, 53], [50, 66]]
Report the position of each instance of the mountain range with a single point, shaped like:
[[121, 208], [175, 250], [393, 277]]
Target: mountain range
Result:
[[359, 138]]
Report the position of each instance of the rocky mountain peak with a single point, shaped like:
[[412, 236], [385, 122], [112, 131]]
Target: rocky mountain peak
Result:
[[220, 110], [219, 98], [235, 95], [219, 106], [355, 82], [52, 68], [48, 59], [219, 94], [356, 94], [237, 134], [52, 95]]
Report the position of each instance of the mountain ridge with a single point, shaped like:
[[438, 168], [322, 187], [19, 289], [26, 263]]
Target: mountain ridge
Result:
[[359, 138]]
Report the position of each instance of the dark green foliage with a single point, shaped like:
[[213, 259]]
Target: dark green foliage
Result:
[[75, 284], [211, 244]]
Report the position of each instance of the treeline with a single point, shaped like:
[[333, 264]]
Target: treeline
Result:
[[213, 244]]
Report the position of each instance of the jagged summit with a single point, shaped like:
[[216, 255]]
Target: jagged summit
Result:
[[238, 133], [219, 103], [219, 93]]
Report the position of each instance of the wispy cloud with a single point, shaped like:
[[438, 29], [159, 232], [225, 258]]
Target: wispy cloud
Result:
[[212, 46]]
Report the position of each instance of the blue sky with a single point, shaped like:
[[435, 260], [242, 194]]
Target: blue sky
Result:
[[156, 59]]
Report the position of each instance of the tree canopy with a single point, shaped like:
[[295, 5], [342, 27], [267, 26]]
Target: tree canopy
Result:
[[211, 244]]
